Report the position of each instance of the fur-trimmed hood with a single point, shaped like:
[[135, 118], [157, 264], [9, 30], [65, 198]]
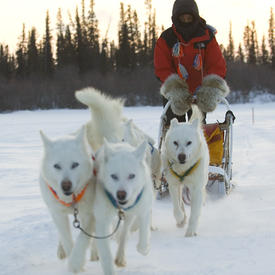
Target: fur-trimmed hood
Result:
[[188, 30]]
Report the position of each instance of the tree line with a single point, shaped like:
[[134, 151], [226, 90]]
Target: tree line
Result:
[[45, 73]]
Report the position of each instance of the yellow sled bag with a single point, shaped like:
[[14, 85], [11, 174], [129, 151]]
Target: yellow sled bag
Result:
[[214, 137]]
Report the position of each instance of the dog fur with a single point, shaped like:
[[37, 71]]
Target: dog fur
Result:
[[67, 167], [122, 169], [106, 120], [134, 136], [185, 145], [212, 89], [115, 128], [176, 90]]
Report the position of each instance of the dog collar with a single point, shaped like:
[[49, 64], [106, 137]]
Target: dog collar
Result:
[[114, 202], [76, 198], [186, 173]]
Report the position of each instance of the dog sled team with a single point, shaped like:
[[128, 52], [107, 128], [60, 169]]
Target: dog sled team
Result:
[[105, 175]]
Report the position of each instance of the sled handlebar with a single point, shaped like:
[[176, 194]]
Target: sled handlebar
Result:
[[194, 101]]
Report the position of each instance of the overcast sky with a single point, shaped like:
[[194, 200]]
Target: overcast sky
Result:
[[218, 13]]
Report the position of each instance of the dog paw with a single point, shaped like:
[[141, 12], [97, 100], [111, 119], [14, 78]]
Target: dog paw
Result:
[[94, 257], [154, 228], [75, 265], [190, 233], [120, 262], [182, 223], [61, 254], [143, 249]]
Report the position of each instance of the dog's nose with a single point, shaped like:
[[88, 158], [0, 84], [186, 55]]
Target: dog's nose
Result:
[[66, 185], [182, 158], [121, 195]]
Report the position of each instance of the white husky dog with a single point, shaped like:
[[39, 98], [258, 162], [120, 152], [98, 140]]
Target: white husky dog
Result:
[[67, 183], [108, 122], [123, 182], [134, 136], [185, 160]]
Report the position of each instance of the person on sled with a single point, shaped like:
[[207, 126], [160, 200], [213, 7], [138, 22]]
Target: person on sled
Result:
[[189, 63]]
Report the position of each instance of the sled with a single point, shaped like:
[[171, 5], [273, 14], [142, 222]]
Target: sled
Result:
[[219, 137]]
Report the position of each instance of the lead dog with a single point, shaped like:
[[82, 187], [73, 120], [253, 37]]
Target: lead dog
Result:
[[66, 183], [123, 182], [185, 160]]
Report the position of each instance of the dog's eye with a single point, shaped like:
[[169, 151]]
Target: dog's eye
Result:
[[131, 176], [114, 177], [57, 166], [189, 143], [175, 143], [74, 165]]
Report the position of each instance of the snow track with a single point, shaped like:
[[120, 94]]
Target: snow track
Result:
[[236, 233]]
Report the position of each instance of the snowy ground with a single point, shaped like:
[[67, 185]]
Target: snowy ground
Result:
[[236, 233]]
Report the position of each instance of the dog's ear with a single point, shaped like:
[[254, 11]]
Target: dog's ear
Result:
[[129, 122], [141, 150], [128, 130], [81, 133], [82, 137], [174, 122], [107, 150], [46, 141], [196, 123]]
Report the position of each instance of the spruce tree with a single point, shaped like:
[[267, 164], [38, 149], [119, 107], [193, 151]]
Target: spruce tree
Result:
[[150, 32], [48, 61], [271, 38], [264, 53], [21, 55], [32, 53], [60, 40], [103, 58], [230, 48], [253, 48], [123, 54], [79, 45], [246, 41], [240, 54], [251, 43], [69, 49], [6, 62], [93, 37], [137, 42]]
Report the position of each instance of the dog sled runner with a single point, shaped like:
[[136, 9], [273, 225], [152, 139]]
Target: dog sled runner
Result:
[[219, 137]]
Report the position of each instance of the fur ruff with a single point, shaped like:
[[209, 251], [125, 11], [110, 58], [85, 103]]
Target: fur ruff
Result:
[[212, 89], [176, 90]]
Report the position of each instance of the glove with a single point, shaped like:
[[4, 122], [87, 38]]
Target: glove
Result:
[[212, 89], [176, 90]]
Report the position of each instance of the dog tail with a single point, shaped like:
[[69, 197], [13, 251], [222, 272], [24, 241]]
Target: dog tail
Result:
[[106, 112]]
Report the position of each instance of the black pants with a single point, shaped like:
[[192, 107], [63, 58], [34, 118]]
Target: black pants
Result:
[[170, 115]]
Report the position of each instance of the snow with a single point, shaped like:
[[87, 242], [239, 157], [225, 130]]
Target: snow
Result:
[[236, 233]]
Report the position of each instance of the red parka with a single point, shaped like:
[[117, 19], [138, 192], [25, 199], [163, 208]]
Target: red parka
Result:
[[200, 56]]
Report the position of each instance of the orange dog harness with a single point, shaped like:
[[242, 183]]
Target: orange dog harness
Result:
[[75, 198]]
